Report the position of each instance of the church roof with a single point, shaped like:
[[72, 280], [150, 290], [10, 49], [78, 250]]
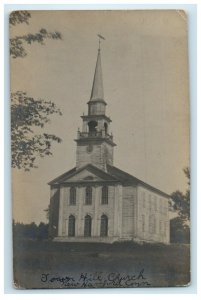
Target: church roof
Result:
[[113, 174], [62, 177], [97, 88], [91, 168], [126, 178]]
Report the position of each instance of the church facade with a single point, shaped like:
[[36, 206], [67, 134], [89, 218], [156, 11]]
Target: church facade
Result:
[[97, 202]]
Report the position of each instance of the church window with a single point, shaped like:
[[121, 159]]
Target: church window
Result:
[[87, 226], [152, 224], [166, 210], [72, 195], [105, 127], [161, 227], [104, 199], [71, 226], [88, 198], [92, 128], [161, 206], [104, 226], [150, 204], [89, 178]]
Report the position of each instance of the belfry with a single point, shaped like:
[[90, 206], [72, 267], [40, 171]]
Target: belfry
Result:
[[95, 143], [96, 201]]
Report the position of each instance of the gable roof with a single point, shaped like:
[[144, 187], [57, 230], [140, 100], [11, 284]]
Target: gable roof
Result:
[[61, 177], [130, 179], [121, 175], [91, 168], [113, 174]]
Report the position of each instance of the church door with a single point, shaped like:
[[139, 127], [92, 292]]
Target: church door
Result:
[[87, 226], [104, 226], [71, 226]]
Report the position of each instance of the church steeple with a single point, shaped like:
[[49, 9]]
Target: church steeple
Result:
[[97, 92], [95, 142], [97, 104]]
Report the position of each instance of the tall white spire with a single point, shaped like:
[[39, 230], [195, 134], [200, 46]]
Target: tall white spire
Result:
[[97, 92]]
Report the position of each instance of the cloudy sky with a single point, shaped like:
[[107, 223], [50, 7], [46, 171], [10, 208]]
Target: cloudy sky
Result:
[[145, 75]]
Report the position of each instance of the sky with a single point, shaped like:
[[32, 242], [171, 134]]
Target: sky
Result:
[[145, 76]]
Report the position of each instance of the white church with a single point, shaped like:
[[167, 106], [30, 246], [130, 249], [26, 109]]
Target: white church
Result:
[[97, 202]]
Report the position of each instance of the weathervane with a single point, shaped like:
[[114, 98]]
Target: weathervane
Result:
[[99, 41]]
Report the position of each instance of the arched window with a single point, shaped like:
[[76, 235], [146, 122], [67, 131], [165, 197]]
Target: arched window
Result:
[[72, 195], [71, 226], [104, 199], [87, 226], [92, 127], [104, 226], [105, 127], [88, 196]]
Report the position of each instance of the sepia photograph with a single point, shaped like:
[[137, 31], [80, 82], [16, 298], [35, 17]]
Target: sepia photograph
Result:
[[100, 145]]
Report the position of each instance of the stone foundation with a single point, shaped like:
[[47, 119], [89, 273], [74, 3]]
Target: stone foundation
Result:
[[108, 240]]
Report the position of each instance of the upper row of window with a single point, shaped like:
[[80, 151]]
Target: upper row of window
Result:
[[89, 195], [154, 203]]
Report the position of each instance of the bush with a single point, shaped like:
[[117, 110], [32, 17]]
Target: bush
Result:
[[179, 232], [30, 231]]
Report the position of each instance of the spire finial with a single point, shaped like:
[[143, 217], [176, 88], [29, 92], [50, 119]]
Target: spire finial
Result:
[[99, 40]]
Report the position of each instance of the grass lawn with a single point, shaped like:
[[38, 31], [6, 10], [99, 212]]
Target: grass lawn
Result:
[[46, 264]]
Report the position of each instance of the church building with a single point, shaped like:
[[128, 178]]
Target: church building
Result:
[[96, 201]]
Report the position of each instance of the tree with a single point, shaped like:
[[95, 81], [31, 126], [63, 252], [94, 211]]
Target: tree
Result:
[[30, 231], [179, 231], [29, 114], [17, 43], [182, 201], [42, 232], [179, 226], [26, 114], [47, 212]]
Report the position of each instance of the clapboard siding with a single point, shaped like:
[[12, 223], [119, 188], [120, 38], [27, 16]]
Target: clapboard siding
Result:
[[128, 211], [102, 153], [95, 210], [152, 207], [54, 212]]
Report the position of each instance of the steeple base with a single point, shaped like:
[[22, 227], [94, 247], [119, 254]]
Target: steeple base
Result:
[[95, 151]]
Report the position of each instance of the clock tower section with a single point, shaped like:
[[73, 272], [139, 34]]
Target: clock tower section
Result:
[[94, 142]]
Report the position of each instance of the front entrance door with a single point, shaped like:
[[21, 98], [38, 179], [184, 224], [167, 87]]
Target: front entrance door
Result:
[[87, 226], [104, 226]]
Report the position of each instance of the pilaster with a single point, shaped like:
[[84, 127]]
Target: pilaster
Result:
[[118, 210], [80, 220], [96, 217], [60, 223]]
